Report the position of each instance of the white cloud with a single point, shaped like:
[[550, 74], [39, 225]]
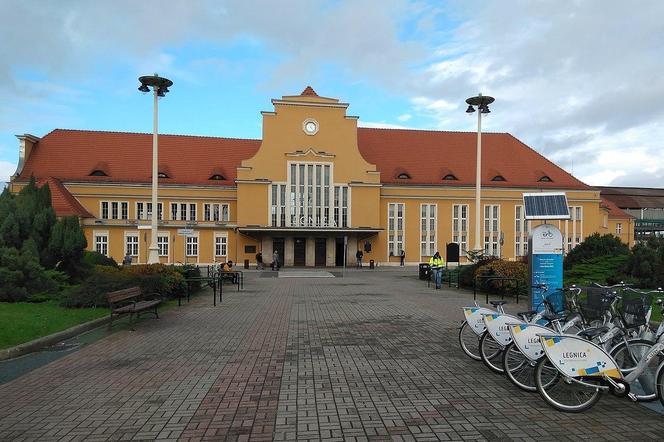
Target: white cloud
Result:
[[7, 169], [404, 117], [380, 125]]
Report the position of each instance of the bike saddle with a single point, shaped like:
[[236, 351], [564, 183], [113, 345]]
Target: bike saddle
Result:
[[527, 314], [553, 316], [497, 303], [593, 332]]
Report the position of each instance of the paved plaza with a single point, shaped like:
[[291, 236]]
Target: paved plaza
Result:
[[371, 356]]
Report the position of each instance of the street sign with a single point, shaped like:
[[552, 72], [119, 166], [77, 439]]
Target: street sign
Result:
[[185, 232], [144, 227]]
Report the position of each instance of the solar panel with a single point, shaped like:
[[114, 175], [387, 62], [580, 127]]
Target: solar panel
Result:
[[548, 205]]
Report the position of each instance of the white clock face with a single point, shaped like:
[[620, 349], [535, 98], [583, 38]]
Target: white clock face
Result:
[[310, 127]]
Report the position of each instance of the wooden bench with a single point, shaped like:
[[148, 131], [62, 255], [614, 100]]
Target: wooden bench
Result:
[[128, 301]]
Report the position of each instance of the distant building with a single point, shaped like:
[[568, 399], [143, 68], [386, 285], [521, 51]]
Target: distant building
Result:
[[646, 205], [313, 181]]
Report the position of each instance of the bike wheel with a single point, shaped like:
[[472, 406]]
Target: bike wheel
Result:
[[469, 342], [491, 353], [660, 383], [518, 368], [628, 356], [561, 392]]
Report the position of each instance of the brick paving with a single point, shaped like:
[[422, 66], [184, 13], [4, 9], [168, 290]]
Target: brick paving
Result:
[[372, 356]]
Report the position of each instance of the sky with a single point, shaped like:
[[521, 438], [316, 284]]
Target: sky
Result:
[[579, 81]]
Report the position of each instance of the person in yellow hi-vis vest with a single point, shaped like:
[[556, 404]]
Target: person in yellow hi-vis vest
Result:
[[436, 263]]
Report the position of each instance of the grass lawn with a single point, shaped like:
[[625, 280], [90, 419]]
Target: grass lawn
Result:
[[22, 322]]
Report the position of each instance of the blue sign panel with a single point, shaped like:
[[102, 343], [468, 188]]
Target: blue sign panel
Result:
[[546, 264]]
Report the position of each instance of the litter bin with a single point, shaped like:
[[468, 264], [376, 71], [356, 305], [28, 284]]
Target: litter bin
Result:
[[424, 271], [371, 263], [246, 264]]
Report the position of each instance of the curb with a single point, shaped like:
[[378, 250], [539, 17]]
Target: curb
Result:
[[45, 341]]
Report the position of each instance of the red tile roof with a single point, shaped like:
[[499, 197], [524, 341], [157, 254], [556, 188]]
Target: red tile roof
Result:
[[634, 197], [309, 92], [63, 202], [615, 212], [426, 156]]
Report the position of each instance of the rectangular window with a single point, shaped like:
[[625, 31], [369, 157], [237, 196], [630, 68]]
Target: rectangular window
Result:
[[308, 198], [192, 246], [428, 229], [124, 210], [460, 227], [215, 212], [162, 244], [220, 245], [491, 230], [104, 209], [144, 210], [183, 211], [573, 228], [101, 243], [618, 228], [182, 216], [192, 212], [521, 231], [115, 212], [395, 233], [131, 244]]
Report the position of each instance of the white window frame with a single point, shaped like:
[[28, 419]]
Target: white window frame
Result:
[[136, 247], [521, 231], [396, 238], [491, 230], [160, 245], [302, 202], [222, 208], [98, 234], [573, 228], [224, 244], [147, 214], [178, 212], [186, 246], [428, 236], [101, 209], [460, 235], [618, 229]]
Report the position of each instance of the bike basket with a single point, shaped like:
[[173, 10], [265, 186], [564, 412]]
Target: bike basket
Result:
[[634, 308], [593, 303], [558, 302]]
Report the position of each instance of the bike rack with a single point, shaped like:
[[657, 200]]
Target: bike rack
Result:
[[489, 278]]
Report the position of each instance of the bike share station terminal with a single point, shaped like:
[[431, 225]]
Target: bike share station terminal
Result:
[[545, 243]]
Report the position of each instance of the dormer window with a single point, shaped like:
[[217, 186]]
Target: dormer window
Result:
[[498, 178], [545, 179], [217, 177], [450, 177], [163, 175], [403, 176], [98, 173]]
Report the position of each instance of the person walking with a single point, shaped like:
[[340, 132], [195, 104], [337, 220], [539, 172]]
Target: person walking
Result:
[[259, 261], [403, 258], [359, 256], [436, 263], [275, 260]]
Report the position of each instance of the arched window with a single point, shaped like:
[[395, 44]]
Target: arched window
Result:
[[163, 175], [545, 179], [217, 177], [403, 176], [450, 177], [98, 173], [498, 178]]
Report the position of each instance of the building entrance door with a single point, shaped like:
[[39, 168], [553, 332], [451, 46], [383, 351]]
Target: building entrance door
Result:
[[321, 252], [339, 255], [278, 245], [299, 252]]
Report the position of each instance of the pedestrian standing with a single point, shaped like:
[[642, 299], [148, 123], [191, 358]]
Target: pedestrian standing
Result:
[[359, 256], [436, 263], [275, 260], [403, 258], [259, 261]]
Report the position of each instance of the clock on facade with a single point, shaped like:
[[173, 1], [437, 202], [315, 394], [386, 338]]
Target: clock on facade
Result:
[[310, 126]]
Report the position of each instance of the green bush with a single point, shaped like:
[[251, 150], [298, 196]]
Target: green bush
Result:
[[646, 263], [605, 270], [91, 259], [190, 271], [21, 276], [595, 246], [92, 291], [506, 269], [168, 281]]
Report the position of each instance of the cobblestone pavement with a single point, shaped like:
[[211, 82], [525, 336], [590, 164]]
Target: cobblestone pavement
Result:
[[372, 356]]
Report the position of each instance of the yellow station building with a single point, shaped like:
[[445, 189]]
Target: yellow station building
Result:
[[313, 182]]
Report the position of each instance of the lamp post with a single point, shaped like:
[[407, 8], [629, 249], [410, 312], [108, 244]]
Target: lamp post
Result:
[[482, 102], [159, 87]]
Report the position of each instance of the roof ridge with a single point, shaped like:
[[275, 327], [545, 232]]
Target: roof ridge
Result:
[[149, 133], [415, 129]]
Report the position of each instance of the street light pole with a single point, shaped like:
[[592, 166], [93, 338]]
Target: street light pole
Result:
[[482, 102], [159, 87]]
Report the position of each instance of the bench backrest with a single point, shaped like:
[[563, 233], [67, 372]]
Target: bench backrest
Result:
[[123, 295]]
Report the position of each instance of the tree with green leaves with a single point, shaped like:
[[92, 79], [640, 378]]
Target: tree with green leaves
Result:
[[595, 246]]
